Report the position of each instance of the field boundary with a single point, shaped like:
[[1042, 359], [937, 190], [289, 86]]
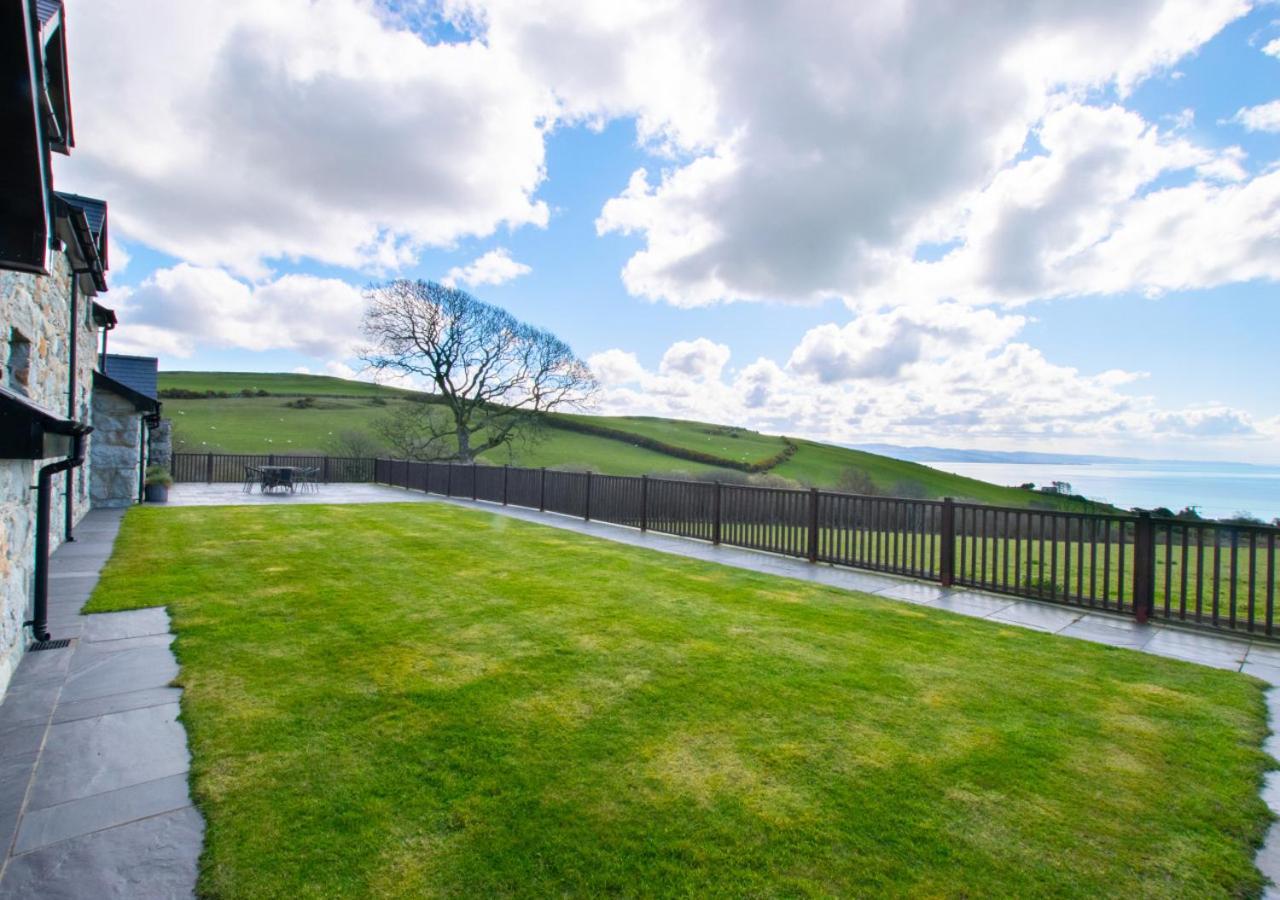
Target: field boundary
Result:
[[639, 440]]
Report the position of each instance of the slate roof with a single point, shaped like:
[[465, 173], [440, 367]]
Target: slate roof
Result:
[[47, 9], [137, 372], [141, 402]]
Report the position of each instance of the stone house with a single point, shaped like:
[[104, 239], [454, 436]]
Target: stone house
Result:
[[53, 263], [125, 416]]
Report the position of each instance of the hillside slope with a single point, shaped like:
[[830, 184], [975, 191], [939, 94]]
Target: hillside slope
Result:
[[621, 445]]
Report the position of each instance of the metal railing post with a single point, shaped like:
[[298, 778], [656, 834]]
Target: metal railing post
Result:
[[475, 492], [586, 511], [542, 491], [506, 470], [208, 469], [448, 480], [947, 547], [715, 516], [325, 475], [813, 525], [644, 502], [1144, 567]]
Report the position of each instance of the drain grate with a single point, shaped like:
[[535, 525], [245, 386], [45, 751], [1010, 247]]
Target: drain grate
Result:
[[58, 644]]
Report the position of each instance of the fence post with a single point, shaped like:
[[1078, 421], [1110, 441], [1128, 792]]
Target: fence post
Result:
[[325, 476], [715, 513], [542, 491], [208, 469], [448, 480], [813, 525], [586, 512], [1144, 567], [475, 493], [271, 459], [506, 470], [947, 539], [644, 502]]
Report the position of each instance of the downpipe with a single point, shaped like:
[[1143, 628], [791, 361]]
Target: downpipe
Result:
[[44, 494]]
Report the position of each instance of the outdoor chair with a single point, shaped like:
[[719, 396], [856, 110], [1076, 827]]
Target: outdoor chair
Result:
[[252, 476]]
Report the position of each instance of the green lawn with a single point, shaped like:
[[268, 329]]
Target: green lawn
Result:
[[420, 700]]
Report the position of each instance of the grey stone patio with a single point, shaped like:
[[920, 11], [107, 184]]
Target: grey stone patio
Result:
[[94, 800]]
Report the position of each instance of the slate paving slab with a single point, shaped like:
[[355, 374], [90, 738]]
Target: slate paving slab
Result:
[[113, 703], [149, 859], [42, 827], [136, 623], [97, 674], [94, 801], [1037, 616], [914, 593], [89, 756]]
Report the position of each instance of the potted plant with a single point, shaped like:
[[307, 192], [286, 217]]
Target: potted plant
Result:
[[157, 481]]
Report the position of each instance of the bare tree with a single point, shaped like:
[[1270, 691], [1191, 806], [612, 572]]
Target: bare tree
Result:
[[352, 443], [491, 372]]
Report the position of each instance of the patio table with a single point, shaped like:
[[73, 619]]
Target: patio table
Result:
[[280, 477]]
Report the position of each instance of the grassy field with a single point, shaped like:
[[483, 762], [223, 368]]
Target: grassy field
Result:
[[268, 425], [286, 384], [419, 700], [734, 444]]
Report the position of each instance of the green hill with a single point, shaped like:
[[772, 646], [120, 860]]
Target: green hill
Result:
[[248, 412]]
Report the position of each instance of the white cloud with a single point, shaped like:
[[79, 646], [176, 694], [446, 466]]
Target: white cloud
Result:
[[812, 143], [237, 132], [700, 358], [1264, 117], [881, 345], [494, 267], [615, 367], [1272, 48], [178, 308], [1082, 218], [985, 390]]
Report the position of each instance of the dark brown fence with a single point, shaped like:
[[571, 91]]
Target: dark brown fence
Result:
[[214, 468], [1205, 574]]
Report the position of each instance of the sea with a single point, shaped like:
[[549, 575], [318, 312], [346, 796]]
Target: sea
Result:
[[1216, 490]]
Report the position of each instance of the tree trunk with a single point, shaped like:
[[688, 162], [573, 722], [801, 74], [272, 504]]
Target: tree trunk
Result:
[[464, 445]]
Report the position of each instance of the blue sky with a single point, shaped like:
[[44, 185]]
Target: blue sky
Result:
[[1059, 237]]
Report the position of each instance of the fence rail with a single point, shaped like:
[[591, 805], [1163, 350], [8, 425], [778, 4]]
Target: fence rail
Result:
[[214, 468], [1204, 574]]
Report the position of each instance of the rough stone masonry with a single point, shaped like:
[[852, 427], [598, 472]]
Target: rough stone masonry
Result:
[[35, 350]]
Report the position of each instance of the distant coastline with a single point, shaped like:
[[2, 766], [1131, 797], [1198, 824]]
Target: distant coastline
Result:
[[926, 454], [1217, 490]]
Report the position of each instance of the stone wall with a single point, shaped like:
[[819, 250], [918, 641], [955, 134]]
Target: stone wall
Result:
[[39, 308], [116, 446], [160, 445]]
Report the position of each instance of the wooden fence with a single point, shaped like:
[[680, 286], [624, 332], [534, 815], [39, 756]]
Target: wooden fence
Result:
[[1206, 574]]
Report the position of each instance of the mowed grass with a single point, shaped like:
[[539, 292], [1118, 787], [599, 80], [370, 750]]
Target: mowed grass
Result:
[[420, 700]]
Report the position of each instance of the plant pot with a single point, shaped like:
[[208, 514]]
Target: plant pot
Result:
[[156, 493]]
